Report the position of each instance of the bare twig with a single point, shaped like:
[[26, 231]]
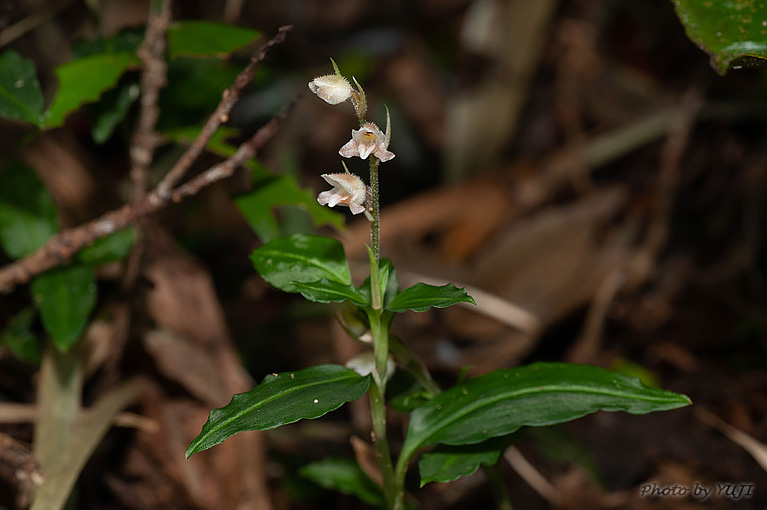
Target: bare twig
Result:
[[31, 22], [755, 448], [228, 99], [153, 79], [60, 248], [670, 173], [145, 140], [232, 10], [533, 477]]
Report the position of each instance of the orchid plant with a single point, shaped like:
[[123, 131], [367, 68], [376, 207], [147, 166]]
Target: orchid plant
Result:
[[458, 430]]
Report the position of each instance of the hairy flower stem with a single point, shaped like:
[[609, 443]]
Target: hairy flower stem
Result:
[[379, 331], [375, 237]]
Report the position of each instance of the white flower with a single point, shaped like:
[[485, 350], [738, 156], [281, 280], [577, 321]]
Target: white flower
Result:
[[348, 190], [367, 140], [332, 88]]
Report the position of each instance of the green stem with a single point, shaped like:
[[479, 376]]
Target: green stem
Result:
[[498, 486], [383, 455]]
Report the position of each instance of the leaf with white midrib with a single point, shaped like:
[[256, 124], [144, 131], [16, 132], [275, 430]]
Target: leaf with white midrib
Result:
[[282, 399], [458, 416]]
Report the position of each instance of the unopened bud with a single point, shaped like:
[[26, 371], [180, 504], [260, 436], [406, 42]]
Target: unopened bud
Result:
[[332, 89]]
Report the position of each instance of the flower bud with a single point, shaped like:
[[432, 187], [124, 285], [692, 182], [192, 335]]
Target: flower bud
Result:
[[332, 89]]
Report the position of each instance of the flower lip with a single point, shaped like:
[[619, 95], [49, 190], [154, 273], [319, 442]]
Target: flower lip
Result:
[[333, 89], [369, 139], [348, 190]]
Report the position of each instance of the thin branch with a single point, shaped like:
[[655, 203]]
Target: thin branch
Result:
[[145, 140], [228, 99], [153, 78], [60, 248], [31, 22]]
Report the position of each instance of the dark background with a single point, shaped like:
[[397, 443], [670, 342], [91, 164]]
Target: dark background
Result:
[[580, 160]]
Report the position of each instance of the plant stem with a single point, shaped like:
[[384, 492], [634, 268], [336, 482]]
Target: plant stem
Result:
[[375, 237], [379, 331], [498, 486], [378, 409]]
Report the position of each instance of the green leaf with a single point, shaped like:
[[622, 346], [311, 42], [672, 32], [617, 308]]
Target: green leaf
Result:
[[28, 216], [207, 39], [194, 90], [257, 206], [727, 31], [447, 463], [346, 477], [112, 109], [541, 394], [112, 248], [325, 291], [421, 296], [404, 393], [390, 280], [20, 95], [18, 336], [281, 399], [216, 145], [559, 447], [271, 191], [301, 258], [126, 41], [84, 80], [65, 298]]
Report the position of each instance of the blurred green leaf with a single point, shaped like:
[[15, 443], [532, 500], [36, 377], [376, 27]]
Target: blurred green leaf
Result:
[[194, 90], [115, 103], [420, 297], [217, 144], [18, 336], [126, 41], [727, 31], [28, 216], [112, 109], [346, 477], [301, 258], [257, 206], [271, 191], [207, 39], [405, 393], [65, 298], [560, 447], [502, 401], [281, 399], [108, 249], [447, 463], [84, 81], [20, 95], [631, 369]]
